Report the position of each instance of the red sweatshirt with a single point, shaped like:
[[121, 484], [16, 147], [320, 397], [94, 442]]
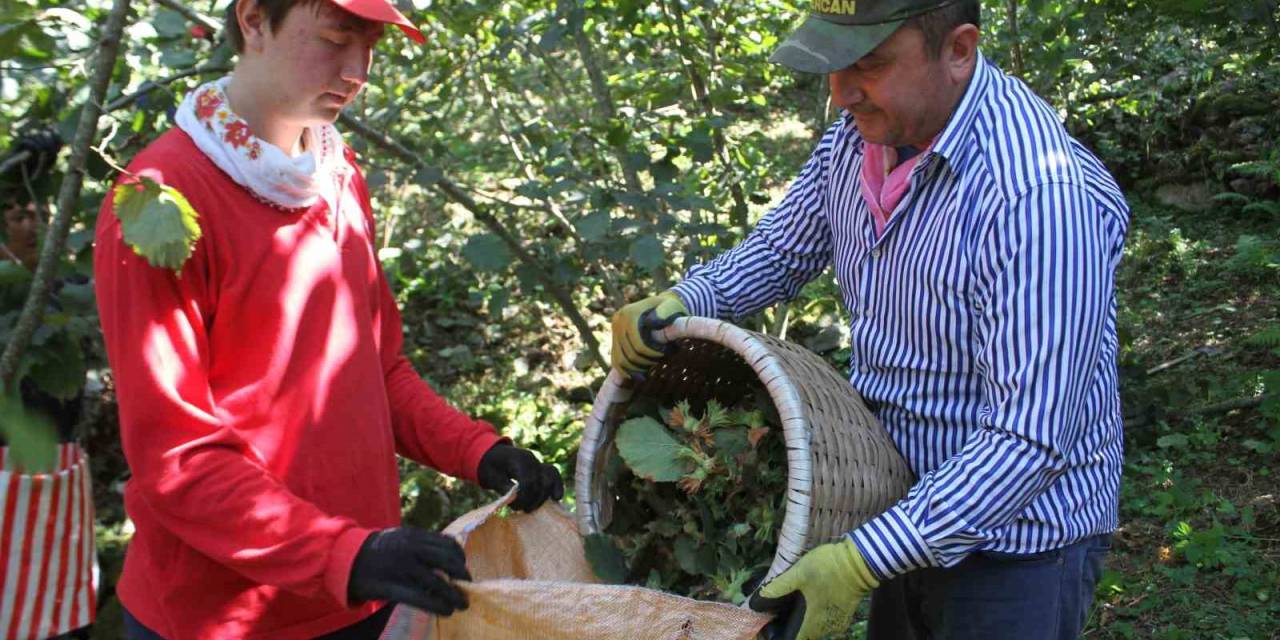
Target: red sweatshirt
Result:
[[263, 397]]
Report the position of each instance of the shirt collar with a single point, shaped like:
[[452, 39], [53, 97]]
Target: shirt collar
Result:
[[950, 144]]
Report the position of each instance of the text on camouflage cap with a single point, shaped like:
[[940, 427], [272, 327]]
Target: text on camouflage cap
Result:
[[854, 12]]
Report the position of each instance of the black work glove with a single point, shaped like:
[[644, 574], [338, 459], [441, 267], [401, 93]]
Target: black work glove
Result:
[[504, 463], [410, 566], [40, 141], [41, 146]]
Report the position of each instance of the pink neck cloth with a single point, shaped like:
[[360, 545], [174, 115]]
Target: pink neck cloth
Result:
[[883, 183]]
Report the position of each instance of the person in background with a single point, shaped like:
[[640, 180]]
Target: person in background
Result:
[[975, 243], [48, 568], [21, 187], [263, 388]]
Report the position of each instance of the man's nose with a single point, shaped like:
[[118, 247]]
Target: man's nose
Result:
[[355, 68], [846, 91]]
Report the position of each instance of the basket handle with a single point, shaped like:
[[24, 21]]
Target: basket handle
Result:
[[651, 327]]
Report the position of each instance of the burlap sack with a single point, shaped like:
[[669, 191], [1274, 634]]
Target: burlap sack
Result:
[[532, 581]]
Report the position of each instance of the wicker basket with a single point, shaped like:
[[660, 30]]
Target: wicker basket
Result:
[[842, 467]]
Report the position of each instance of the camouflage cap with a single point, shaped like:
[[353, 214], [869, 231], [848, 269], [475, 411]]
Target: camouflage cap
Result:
[[839, 32]]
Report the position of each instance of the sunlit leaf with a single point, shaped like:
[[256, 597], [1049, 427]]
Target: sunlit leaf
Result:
[[700, 145], [650, 450], [487, 252], [170, 23], [157, 222], [551, 38], [593, 227], [647, 252], [178, 58], [427, 176]]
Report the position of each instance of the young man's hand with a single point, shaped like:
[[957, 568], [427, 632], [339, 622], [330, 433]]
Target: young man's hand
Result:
[[43, 146], [538, 481], [818, 595], [408, 565], [632, 353], [40, 141]]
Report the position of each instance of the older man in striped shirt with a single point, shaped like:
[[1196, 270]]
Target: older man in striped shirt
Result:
[[975, 244]]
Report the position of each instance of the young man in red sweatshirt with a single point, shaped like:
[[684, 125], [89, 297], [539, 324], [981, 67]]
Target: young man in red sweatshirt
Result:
[[263, 390]]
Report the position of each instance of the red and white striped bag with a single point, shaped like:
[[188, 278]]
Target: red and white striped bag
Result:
[[48, 567]]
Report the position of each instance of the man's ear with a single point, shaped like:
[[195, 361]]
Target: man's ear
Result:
[[253, 23], [960, 51]]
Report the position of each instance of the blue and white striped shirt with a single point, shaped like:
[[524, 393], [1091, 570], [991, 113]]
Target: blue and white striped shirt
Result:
[[983, 323]]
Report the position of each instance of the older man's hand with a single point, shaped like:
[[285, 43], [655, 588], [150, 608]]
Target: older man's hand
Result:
[[819, 593], [632, 353]]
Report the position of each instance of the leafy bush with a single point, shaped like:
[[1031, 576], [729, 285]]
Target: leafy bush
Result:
[[700, 500], [62, 348], [1255, 256]]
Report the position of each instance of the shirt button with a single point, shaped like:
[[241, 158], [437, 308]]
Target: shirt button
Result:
[[875, 253], [867, 313], [864, 369]]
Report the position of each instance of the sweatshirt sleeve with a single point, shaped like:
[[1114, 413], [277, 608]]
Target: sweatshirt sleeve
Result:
[[201, 480], [427, 428]]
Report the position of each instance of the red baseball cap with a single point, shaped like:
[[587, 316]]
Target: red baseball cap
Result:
[[382, 11]]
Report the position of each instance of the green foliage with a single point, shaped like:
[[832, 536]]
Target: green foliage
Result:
[[59, 366], [1181, 100], [699, 501], [647, 253], [1190, 562], [63, 346], [1194, 558], [1268, 338], [1255, 256], [606, 560], [486, 252], [651, 451], [1268, 168], [32, 440], [157, 222], [1267, 172]]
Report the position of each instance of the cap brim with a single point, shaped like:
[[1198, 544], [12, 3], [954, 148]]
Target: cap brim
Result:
[[382, 11], [819, 46]]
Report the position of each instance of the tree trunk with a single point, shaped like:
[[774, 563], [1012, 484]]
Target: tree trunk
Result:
[[68, 196], [1015, 40], [604, 99]]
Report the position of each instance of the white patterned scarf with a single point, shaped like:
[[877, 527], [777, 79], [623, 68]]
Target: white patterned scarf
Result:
[[320, 172]]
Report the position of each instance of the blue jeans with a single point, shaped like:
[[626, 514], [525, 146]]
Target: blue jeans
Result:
[[993, 596], [368, 629]]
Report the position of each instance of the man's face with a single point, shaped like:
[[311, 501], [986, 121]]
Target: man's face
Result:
[[22, 232], [318, 60], [896, 93]]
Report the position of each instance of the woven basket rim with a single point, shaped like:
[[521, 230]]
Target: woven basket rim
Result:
[[794, 531]]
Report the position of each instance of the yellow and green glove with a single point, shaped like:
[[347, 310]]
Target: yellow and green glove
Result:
[[818, 595], [634, 351]]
